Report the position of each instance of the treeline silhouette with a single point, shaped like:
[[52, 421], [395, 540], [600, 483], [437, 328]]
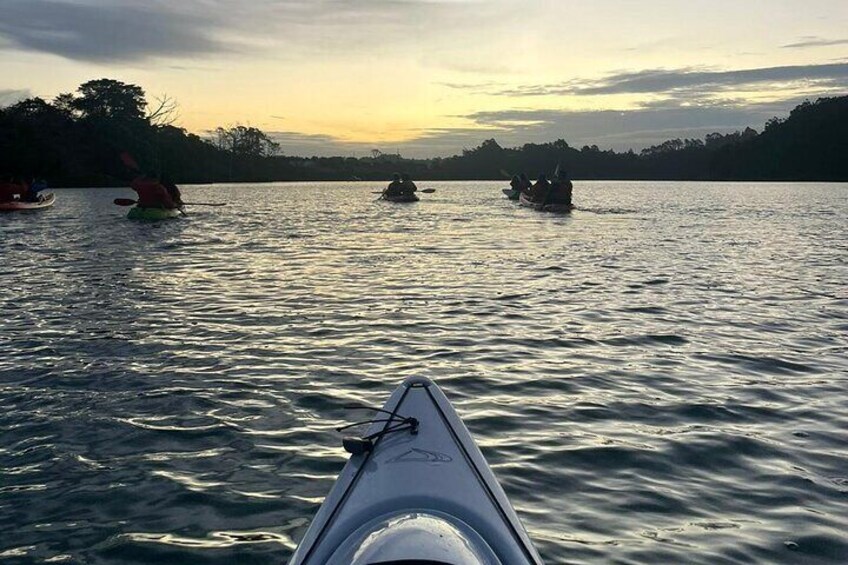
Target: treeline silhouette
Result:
[[76, 140]]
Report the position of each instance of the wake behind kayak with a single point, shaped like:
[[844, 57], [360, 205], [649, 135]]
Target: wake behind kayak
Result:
[[417, 489]]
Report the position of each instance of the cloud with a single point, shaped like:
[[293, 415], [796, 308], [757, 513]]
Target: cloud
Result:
[[10, 96], [813, 41], [311, 145], [688, 80], [609, 129], [107, 32], [619, 130], [119, 31]]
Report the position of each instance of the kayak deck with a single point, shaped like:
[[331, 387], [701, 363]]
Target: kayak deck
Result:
[[511, 194], [16, 205], [427, 496], [138, 213]]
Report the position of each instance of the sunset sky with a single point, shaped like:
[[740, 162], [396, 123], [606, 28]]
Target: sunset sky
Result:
[[429, 77]]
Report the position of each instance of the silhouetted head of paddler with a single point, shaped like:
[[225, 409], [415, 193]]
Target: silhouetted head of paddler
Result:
[[396, 176]]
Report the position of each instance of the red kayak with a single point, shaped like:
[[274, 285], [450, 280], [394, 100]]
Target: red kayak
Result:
[[16, 205]]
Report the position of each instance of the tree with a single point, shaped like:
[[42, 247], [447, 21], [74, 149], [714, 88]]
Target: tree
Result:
[[245, 141], [110, 99], [166, 112]]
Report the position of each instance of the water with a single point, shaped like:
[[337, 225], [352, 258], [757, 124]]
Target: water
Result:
[[659, 378]]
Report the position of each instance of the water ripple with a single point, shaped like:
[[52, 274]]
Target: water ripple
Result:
[[660, 377]]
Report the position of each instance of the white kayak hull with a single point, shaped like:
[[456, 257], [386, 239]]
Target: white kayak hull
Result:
[[20, 205], [428, 496]]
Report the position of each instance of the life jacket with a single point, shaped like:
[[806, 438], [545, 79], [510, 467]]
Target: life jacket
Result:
[[151, 194], [407, 187], [395, 188], [540, 190]]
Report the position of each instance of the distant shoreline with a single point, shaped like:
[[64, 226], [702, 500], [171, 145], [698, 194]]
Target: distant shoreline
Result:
[[425, 180], [78, 140]]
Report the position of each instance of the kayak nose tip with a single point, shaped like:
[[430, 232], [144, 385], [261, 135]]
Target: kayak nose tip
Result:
[[417, 381]]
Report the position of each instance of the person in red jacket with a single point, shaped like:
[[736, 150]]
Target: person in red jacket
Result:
[[12, 190], [151, 194], [7, 192]]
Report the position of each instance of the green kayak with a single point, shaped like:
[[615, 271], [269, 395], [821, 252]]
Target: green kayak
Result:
[[137, 213]]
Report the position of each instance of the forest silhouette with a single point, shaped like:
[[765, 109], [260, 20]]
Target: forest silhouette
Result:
[[76, 140]]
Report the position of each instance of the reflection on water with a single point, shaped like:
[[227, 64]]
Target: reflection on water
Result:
[[660, 377]]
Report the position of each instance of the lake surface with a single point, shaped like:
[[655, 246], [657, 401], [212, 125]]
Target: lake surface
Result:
[[660, 378]]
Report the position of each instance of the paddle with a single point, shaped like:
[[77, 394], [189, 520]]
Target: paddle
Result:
[[129, 202], [425, 191]]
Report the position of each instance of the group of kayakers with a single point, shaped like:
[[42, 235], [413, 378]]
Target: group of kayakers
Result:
[[22, 191], [543, 191], [161, 193]]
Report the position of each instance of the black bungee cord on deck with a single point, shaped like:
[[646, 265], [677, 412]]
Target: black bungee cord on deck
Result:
[[360, 445]]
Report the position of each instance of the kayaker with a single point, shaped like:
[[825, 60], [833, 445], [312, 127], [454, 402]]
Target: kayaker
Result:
[[516, 184], [20, 188], [525, 183], [407, 186], [173, 191], [7, 191], [151, 194], [395, 187], [561, 190], [34, 188], [539, 191]]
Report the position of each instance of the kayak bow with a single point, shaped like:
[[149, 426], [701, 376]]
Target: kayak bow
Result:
[[511, 194], [416, 490]]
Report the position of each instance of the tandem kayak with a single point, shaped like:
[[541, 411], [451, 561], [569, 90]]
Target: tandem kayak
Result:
[[401, 198], [137, 213], [558, 208], [511, 194], [45, 202], [417, 489]]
